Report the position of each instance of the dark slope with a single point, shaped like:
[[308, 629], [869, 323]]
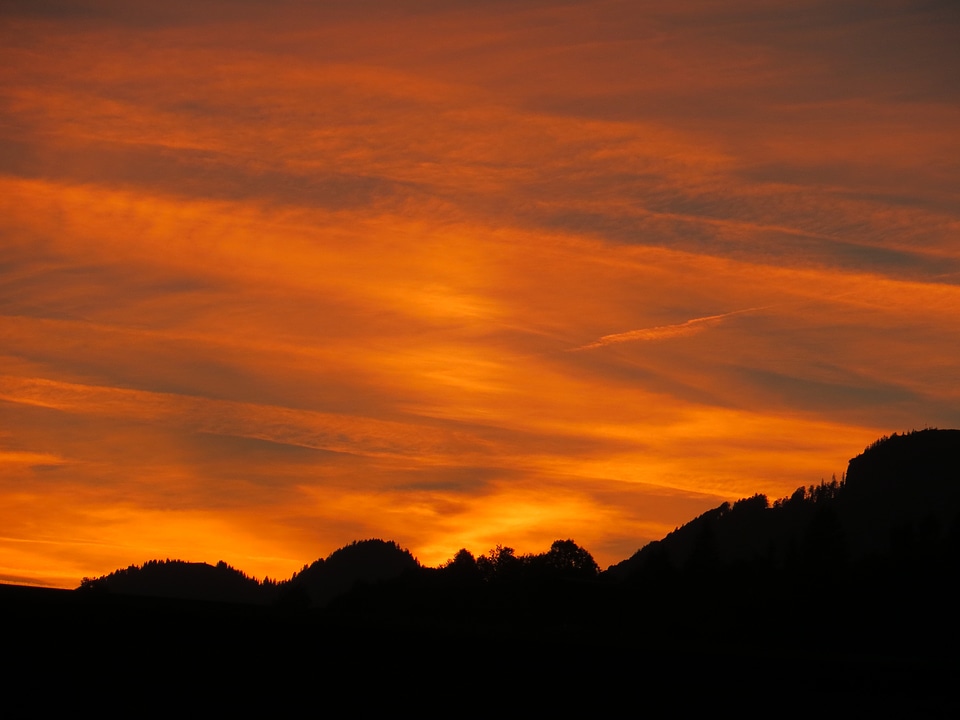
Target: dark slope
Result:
[[842, 592], [184, 580], [902, 494], [901, 490], [367, 561]]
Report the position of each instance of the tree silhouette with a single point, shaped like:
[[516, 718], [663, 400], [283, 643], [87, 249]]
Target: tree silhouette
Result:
[[567, 559], [463, 567], [500, 563]]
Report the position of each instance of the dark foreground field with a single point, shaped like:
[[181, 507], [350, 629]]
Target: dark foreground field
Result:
[[842, 597], [66, 649]]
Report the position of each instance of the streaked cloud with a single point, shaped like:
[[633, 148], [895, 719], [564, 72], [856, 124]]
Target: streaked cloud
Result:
[[663, 332], [277, 277]]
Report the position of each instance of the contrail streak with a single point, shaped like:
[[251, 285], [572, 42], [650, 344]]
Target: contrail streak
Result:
[[662, 332]]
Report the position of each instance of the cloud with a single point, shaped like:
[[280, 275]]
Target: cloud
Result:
[[663, 332], [273, 281]]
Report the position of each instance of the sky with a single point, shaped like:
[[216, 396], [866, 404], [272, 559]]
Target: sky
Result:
[[277, 276]]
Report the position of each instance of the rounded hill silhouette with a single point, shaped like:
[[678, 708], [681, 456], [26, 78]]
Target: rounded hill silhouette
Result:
[[184, 580], [365, 561]]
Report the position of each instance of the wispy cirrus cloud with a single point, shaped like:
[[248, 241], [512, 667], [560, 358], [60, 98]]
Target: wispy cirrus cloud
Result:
[[278, 277], [664, 332]]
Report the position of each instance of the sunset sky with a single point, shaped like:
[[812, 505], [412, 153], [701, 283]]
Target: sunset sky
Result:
[[277, 276]]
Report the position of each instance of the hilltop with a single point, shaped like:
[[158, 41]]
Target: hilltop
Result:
[[897, 503], [847, 587], [901, 495]]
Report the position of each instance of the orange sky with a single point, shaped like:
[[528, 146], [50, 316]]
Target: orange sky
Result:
[[279, 276]]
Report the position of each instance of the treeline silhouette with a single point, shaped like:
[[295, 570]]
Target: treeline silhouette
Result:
[[898, 502], [361, 563], [186, 580], [855, 576], [896, 508]]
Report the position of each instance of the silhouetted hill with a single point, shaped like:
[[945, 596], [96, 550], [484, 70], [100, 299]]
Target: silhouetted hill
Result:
[[367, 561], [185, 580], [843, 587], [902, 491], [900, 498], [900, 486]]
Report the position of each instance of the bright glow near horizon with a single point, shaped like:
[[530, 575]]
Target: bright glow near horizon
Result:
[[275, 277]]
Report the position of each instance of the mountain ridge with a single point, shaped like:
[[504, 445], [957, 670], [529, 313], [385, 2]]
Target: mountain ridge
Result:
[[901, 485], [810, 617], [901, 493]]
